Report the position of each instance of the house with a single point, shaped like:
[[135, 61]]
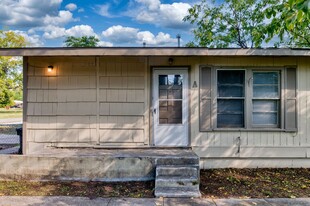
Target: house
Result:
[[232, 107]]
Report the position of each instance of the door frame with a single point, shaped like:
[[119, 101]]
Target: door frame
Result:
[[187, 103]]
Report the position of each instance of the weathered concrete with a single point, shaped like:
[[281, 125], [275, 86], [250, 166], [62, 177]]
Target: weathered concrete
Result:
[[188, 202], [289, 201], [84, 201], [52, 201], [177, 177], [88, 164], [240, 202]]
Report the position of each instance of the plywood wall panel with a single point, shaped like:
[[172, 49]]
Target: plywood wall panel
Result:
[[119, 122], [121, 136]]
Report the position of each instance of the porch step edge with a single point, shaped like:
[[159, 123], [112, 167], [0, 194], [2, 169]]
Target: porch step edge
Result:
[[177, 192]]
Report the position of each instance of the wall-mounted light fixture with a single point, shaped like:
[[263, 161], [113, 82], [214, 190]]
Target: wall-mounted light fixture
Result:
[[50, 68], [170, 61]]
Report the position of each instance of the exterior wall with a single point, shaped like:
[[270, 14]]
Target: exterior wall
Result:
[[257, 149], [105, 101], [86, 101]]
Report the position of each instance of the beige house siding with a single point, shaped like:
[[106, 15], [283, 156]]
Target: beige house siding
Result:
[[268, 146], [105, 102], [86, 101]]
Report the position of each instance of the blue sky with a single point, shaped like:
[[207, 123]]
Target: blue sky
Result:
[[115, 22]]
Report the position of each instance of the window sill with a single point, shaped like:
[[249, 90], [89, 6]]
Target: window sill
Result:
[[251, 130]]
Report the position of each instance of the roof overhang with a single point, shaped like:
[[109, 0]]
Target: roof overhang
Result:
[[158, 51]]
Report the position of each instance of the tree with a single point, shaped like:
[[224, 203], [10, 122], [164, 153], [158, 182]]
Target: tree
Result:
[[10, 68], [290, 21], [84, 41], [233, 23]]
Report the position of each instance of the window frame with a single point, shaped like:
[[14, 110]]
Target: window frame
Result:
[[216, 97], [248, 107], [280, 115]]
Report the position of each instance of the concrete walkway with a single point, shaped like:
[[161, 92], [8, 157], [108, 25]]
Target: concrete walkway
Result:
[[84, 201]]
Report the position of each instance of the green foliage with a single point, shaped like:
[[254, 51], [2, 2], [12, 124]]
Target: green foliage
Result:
[[234, 23], [6, 96], [249, 23], [10, 72], [84, 41], [290, 21]]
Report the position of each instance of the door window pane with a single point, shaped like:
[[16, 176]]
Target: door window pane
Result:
[[170, 112], [170, 86]]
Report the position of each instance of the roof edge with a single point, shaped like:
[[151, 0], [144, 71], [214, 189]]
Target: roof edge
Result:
[[151, 51]]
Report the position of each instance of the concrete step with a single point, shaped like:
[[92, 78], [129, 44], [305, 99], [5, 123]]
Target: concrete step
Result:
[[168, 181], [193, 161], [177, 192], [177, 171]]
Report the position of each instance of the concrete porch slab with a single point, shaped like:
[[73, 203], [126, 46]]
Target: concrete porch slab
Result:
[[147, 152], [91, 164]]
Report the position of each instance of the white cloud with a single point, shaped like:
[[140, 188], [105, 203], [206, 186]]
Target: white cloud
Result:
[[27, 13], [105, 44], [166, 15], [121, 34], [128, 35], [71, 7], [81, 10], [54, 32], [150, 39], [80, 30], [63, 18], [151, 4], [103, 10], [32, 40]]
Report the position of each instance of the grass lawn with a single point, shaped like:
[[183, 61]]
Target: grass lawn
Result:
[[216, 183], [11, 113]]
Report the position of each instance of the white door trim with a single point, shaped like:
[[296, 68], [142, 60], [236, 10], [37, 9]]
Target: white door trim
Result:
[[170, 135]]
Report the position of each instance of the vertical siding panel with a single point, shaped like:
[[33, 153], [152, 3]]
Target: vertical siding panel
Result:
[[205, 115], [270, 138], [307, 67], [195, 136], [217, 139], [291, 139], [303, 97], [243, 138], [224, 139], [251, 139], [209, 137], [264, 138], [276, 139], [283, 139], [257, 138]]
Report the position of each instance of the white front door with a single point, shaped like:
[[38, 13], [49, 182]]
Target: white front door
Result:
[[170, 106]]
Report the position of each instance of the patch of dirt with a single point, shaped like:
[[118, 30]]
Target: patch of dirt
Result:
[[255, 183], [85, 189], [215, 183]]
